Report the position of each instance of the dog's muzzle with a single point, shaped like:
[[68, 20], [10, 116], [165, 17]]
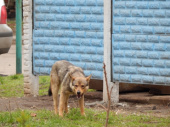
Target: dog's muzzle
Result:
[[79, 95]]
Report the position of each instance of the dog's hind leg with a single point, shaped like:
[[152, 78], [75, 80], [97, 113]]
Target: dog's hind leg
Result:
[[81, 105], [55, 86]]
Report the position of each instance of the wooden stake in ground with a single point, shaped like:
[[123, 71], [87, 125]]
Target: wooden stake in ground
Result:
[[108, 95]]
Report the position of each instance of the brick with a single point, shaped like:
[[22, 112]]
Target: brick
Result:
[[116, 46], [167, 80], [165, 5], [69, 2], [65, 10], [159, 47], [159, 13], [167, 13], [80, 2], [97, 58], [167, 63], [90, 35], [116, 77], [165, 39], [39, 2], [115, 61], [86, 58], [153, 71], [118, 53], [50, 17], [39, 48], [136, 78], [154, 22], [49, 63], [164, 55], [130, 38], [142, 71], [55, 9], [130, 70], [69, 33], [159, 80], [58, 48], [147, 46], [159, 63], [97, 10], [154, 5], [43, 56], [119, 69], [142, 5], [45, 9], [130, 53], [136, 13], [147, 79], [45, 71], [99, 35], [90, 3], [131, 5], [153, 38], [131, 21], [48, 48], [96, 26], [40, 17], [147, 30], [43, 25], [90, 50], [164, 22], [39, 63], [124, 62], [97, 42], [125, 78], [147, 13], [125, 29], [49, 33], [164, 72], [75, 57], [116, 12], [63, 56], [119, 21], [69, 49], [141, 38], [49, 2], [124, 45], [136, 62], [59, 33], [54, 56], [153, 55], [90, 66], [54, 41], [135, 29], [118, 37], [125, 13], [142, 21], [136, 46], [70, 18], [119, 4], [60, 17], [167, 30], [147, 63], [159, 30]]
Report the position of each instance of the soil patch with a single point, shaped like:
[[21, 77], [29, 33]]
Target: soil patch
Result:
[[46, 102]]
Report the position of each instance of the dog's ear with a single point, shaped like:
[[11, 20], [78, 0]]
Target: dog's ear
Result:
[[72, 78], [88, 78]]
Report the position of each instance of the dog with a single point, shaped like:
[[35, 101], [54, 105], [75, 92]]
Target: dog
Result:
[[70, 80]]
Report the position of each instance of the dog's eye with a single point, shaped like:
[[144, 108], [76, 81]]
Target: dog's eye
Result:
[[82, 86], [76, 85]]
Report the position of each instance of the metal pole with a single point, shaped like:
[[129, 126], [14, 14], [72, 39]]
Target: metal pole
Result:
[[18, 36]]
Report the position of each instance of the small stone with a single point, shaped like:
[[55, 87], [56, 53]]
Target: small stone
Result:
[[154, 108]]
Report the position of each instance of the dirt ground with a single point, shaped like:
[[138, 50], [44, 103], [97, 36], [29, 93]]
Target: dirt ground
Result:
[[45, 102]]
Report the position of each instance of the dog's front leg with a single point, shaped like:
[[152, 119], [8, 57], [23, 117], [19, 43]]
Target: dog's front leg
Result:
[[81, 105], [62, 103]]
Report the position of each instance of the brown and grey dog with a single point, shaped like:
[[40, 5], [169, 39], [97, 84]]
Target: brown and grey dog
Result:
[[72, 80]]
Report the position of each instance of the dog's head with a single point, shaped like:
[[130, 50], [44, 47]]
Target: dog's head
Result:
[[80, 85]]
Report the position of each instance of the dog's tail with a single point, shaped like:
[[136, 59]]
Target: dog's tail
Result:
[[49, 91]]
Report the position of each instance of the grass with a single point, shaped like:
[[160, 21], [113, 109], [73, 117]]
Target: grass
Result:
[[14, 84], [94, 118], [11, 86]]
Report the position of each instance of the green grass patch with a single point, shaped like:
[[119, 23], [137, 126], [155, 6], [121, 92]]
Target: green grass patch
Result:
[[44, 83], [93, 118], [11, 86]]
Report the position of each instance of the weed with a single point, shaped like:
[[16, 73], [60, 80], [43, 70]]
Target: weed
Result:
[[1, 81]]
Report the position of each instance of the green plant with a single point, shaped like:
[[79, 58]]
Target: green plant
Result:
[[23, 119]]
